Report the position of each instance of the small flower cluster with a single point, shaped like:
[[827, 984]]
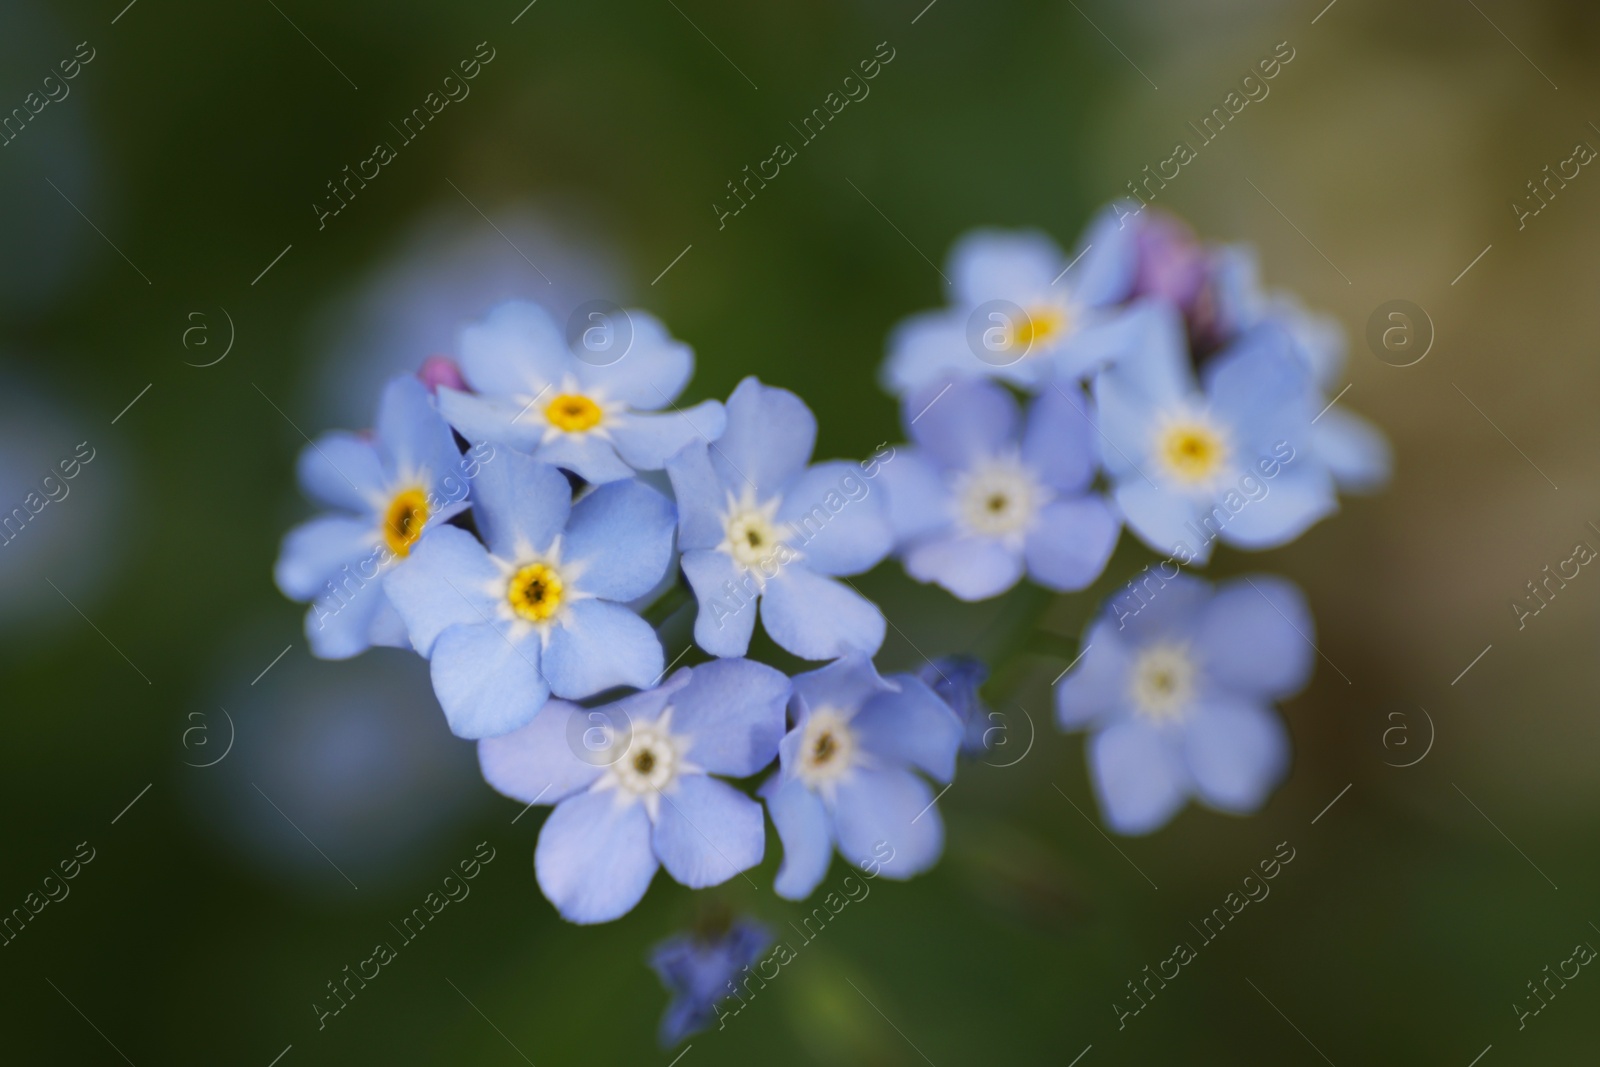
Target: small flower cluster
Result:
[[521, 506]]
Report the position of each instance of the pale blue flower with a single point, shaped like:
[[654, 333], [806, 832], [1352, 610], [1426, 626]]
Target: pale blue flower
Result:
[[1177, 687], [848, 774], [540, 610], [699, 971], [982, 498], [1233, 461], [632, 785], [388, 488], [1023, 311], [596, 413], [757, 524]]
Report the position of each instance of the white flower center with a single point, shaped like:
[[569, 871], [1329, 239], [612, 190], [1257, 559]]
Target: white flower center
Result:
[[652, 760], [750, 532], [829, 748], [1192, 449], [998, 496], [1163, 680]]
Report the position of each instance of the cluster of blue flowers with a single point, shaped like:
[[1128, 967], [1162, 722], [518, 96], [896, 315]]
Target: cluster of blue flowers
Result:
[[518, 509]]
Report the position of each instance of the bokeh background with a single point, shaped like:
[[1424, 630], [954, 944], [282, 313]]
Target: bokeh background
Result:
[[137, 615]]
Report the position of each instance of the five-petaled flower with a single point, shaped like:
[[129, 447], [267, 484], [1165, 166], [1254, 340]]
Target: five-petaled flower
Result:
[[848, 773], [539, 606], [1179, 697], [632, 787]]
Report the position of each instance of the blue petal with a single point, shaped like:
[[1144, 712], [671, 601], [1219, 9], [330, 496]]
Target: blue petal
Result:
[[927, 348], [916, 497], [1105, 273], [890, 807], [339, 627], [1355, 451], [412, 435], [911, 726], [1072, 542], [1296, 500], [1167, 609], [972, 568], [492, 417], [1166, 521], [650, 374], [768, 441], [706, 832], [725, 620], [1140, 782], [536, 762], [487, 683], [343, 470], [1260, 387], [594, 860], [733, 710], [835, 520], [517, 350], [701, 496], [973, 419], [1096, 690], [1016, 265], [816, 617], [1154, 374], [520, 505], [1237, 752], [648, 441], [443, 582], [598, 645], [1059, 443], [845, 685], [1255, 636], [590, 456], [314, 551], [619, 540], [806, 832]]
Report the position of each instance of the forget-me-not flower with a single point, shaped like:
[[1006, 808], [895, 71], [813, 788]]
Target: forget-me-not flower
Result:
[[757, 524], [848, 774], [1232, 461], [388, 487], [1179, 695], [632, 787], [982, 499], [595, 413], [1023, 311], [699, 970], [538, 607]]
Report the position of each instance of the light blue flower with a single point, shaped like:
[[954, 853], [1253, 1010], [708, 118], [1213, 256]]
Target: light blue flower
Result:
[[541, 608], [1178, 696], [848, 774], [1356, 452], [982, 499], [1234, 461], [388, 488], [595, 414], [757, 524], [699, 971], [632, 787], [1023, 311]]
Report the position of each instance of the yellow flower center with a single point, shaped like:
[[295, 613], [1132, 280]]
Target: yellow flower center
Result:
[[403, 523], [535, 592], [573, 413], [1163, 682], [1041, 325], [1192, 451]]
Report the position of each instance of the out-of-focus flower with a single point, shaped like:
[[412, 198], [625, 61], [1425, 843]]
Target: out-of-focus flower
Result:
[[698, 969], [956, 681], [1178, 696], [641, 796], [388, 488], [1232, 461], [599, 420], [540, 609], [757, 524], [981, 499], [1022, 311], [848, 774]]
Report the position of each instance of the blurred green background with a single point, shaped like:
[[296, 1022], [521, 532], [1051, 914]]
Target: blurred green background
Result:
[[189, 154]]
